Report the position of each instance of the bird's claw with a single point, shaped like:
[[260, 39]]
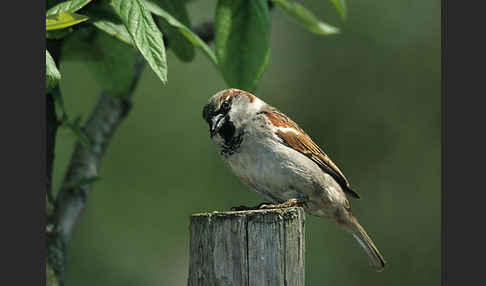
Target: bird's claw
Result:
[[245, 208], [294, 202]]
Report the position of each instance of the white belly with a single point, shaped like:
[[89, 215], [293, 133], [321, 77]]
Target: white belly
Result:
[[279, 173]]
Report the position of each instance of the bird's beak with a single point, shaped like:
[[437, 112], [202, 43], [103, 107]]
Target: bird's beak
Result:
[[215, 124]]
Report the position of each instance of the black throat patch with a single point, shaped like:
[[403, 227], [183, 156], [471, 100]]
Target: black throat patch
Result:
[[232, 139]]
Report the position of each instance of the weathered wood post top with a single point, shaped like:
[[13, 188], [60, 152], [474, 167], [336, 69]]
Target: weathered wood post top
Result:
[[256, 247]]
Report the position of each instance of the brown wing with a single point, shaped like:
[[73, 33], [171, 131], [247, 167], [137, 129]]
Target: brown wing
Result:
[[303, 143]]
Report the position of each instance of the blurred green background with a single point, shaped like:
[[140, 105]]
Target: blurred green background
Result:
[[370, 97]]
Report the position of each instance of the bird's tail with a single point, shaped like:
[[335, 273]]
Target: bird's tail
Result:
[[377, 260]]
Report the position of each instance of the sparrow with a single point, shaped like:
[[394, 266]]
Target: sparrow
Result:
[[270, 153]]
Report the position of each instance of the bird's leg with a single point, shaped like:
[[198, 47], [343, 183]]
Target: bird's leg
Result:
[[294, 202]]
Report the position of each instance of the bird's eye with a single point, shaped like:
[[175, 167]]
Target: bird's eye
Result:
[[225, 105]]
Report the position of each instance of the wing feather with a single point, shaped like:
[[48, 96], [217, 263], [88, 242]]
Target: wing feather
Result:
[[302, 143]]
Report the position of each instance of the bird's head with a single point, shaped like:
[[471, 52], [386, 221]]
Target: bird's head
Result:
[[229, 111]]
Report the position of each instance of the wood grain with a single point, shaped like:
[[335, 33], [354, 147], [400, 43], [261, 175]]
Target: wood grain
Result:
[[257, 247]]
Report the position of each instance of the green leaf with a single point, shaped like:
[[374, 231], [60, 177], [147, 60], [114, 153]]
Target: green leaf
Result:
[[104, 18], [63, 20], [68, 6], [306, 18], [110, 60], [183, 30], [242, 40], [181, 47], [52, 73], [147, 37], [341, 8], [116, 30], [61, 113]]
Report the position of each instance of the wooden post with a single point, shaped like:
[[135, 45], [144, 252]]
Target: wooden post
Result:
[[257, 247]]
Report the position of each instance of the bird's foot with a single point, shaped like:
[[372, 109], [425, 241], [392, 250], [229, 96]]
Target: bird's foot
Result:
[[241, 208], [245, 208], [294, 202]]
